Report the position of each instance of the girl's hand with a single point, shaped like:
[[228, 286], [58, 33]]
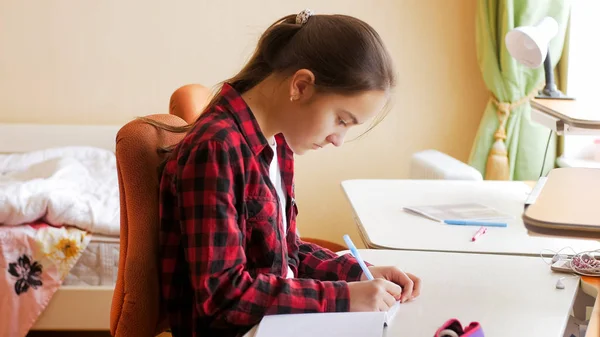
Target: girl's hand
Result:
[[411, 285], [375, 295]]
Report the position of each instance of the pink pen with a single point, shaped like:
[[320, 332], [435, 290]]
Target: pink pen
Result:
[[479, 233]]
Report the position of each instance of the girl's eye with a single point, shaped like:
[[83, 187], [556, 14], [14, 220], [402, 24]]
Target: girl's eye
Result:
[[342, 122]]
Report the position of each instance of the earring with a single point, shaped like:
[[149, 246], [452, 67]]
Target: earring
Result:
[[292, 98]]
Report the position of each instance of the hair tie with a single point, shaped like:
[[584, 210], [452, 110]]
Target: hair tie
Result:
[[303, 16]]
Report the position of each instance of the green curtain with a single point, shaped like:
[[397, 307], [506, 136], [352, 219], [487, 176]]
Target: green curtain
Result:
[[508, 81]]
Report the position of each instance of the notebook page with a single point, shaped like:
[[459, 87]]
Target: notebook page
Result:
[[334, 324]]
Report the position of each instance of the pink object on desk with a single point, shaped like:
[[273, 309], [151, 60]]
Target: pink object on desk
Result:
[[479, 233], [453, 327]]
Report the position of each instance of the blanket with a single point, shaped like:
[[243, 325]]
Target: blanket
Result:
[[34, 261], [74, 186]]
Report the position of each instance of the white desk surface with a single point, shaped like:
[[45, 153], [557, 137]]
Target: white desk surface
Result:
[[508, 295], [377, 205]]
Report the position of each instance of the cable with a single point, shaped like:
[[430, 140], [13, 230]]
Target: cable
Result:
[[556, 255], [585, 263], [545, 153]]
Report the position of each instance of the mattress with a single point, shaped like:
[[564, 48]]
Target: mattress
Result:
[[97, 265]]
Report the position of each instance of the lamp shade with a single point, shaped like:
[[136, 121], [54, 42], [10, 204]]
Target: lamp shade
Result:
[[529, 44]]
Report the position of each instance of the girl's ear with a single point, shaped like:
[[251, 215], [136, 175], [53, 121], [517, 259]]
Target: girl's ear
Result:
[[302, 85]]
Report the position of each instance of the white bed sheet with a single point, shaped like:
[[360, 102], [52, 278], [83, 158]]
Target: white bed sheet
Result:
[[73, 185]]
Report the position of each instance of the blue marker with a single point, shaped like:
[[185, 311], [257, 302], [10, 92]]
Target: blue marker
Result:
[[354, 252], [475, 223]]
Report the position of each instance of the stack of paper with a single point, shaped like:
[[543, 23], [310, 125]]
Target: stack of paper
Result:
[[465, 211]]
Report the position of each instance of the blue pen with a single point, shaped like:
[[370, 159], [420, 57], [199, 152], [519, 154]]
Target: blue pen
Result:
[[475, 223], [354, 252]]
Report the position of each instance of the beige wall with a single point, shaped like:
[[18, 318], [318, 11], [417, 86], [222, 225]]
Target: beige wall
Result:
[[105, 62]]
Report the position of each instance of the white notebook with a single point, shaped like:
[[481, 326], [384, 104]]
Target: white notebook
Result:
[[334, 324]]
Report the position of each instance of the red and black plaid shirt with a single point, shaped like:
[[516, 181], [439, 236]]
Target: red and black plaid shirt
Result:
[[223, 254]]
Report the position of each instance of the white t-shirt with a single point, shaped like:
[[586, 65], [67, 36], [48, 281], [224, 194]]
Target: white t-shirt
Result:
[[275, 176]]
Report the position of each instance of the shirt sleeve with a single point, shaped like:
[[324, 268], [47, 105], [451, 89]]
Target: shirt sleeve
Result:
[[323, 264], [212, 242]]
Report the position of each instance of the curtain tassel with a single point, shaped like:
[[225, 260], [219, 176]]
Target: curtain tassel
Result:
[[497, 167]]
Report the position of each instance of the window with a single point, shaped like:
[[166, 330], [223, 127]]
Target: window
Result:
[[583, 74]]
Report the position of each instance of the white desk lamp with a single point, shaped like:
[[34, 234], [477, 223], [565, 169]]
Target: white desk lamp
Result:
[[529, 46], [551, 108]]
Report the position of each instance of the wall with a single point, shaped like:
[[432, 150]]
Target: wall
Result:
[[104, 62]]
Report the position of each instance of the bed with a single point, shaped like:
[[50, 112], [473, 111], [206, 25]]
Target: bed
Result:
[[94, 275]]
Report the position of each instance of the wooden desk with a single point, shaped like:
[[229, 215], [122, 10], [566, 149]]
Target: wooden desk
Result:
[[508, 295], [580, 116], [378, 204], [567, 205]]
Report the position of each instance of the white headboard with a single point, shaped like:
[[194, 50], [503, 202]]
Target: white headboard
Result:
[[30, 137]]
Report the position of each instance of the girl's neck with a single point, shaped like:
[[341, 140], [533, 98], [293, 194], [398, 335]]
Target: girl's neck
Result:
[[263, 101]]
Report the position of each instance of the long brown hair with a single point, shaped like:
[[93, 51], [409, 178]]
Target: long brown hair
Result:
[[346, 55]]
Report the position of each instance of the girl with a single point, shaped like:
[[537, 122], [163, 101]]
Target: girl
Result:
[[230, 253]]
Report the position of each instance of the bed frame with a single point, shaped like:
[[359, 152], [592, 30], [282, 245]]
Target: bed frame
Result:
[[66, 310]]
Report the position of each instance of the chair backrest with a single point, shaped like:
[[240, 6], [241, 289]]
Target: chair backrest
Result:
[[136, 307], [188, 101], [136, 301]]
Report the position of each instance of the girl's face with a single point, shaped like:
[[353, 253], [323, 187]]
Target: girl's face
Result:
[[314, 120]]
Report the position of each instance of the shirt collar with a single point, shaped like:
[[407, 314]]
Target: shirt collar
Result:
[[245, 119]]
